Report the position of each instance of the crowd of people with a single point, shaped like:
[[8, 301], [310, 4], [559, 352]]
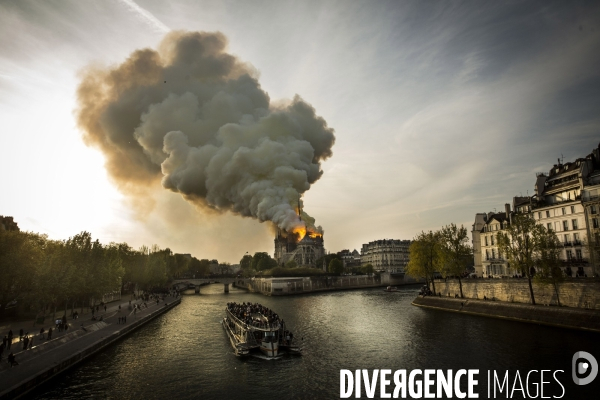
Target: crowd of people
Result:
[[260, 316], [255, 315]]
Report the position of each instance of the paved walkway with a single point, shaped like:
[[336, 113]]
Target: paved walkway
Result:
[[82, 333], [31, 328]]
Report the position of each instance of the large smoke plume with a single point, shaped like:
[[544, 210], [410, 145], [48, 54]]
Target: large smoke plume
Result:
[[193, 117]]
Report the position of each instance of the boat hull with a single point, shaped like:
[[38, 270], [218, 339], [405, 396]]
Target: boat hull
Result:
[[257, 333], [238, 346]]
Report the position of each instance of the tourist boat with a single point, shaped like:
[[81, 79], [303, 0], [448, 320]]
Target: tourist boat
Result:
[[390, 289], [252, 327]]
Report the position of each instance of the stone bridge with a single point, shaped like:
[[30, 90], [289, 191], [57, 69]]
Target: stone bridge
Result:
[[194, 283]]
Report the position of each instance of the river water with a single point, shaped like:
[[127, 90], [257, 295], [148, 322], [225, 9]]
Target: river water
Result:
[[185, 353]]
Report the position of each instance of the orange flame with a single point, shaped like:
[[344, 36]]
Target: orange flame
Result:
[[300, 231]]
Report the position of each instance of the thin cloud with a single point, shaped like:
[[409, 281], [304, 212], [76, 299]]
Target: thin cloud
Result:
[[146, 16]]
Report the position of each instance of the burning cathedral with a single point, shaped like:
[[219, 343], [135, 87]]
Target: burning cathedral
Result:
[[304, 245]]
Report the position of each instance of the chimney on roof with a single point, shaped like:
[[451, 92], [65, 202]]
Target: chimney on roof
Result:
[[507, 209]]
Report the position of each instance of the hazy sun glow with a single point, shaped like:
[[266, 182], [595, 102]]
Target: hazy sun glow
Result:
[[419, 94]]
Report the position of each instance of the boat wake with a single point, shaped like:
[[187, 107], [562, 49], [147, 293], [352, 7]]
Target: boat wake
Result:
[[263, 357]]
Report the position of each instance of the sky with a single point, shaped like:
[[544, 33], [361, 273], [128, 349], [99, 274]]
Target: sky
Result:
[[440, 110]]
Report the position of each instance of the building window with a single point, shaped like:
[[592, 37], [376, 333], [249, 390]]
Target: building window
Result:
[[576, 238], [595, 223], [593, 210], [486, 241], [565, 225], [567, 239], [492, 240], [539, 215], [487, 254], [572, 209], [549, 225], [578, 253], [493, 253], [564, 211], [569, 255], [547, 213], [574, 223]]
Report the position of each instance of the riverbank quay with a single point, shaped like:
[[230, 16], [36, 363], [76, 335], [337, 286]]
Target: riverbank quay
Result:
[[285, 286], [576, 293], [563, 317], [84, 339]]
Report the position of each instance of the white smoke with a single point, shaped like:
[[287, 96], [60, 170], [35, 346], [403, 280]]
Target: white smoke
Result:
[[196, 117]]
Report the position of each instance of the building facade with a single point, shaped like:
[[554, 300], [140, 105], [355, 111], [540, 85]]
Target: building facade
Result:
[[567, 202], [389, 255], [492, 263], [304, 252]]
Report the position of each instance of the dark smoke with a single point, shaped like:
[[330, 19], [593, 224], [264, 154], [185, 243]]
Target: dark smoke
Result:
[[195, 117]]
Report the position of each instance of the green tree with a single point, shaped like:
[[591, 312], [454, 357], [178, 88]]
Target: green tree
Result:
[[547, 262], [79, 248], [266, 263], [258, 257], [183, 264], [200, 267], [54, 277], [368, 269], [592, 244], [246, 262], [454, 252], [157, 270], [336, 266], [327, 259], [113, 269], [424, 257], [291, 264], [518, 244], [20, 256]]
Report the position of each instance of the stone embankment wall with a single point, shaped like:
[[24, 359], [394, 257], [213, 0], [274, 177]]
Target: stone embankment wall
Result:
[[573, 318], [580, 294], [289, 286]]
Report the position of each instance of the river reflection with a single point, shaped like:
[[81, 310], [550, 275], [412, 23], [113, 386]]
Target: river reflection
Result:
[[185, 353]]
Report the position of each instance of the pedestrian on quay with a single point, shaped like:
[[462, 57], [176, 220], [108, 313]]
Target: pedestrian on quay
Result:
[[31, 343], [105, 308], [12, 360], [21, 334], [119, 308], [5, 341], [41, 333], [10, 337], [49, 333], [25, 342], [1, 350]]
